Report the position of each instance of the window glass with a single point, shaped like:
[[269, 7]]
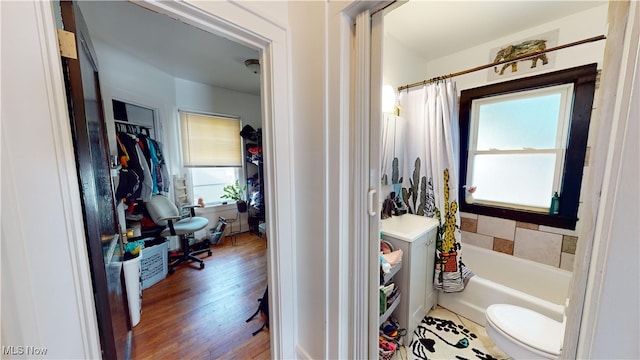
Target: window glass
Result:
[[208, 182], [514, 180], [518, 123], [516, 155]]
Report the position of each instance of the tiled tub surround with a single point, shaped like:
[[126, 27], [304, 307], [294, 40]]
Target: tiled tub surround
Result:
[[543, 244]]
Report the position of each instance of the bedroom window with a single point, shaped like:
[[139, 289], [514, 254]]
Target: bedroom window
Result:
[[523, 141], [211, 154]]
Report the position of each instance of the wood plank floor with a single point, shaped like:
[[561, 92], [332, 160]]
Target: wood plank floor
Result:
[[200, 314]]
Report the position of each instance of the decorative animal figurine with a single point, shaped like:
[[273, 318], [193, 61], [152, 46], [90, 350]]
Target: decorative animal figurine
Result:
[[524, 48]]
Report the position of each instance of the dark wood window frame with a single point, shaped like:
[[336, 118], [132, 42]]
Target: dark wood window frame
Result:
[[584, 81]]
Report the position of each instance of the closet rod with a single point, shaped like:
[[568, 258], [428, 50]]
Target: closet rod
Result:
[[130, 123], [518, 58]]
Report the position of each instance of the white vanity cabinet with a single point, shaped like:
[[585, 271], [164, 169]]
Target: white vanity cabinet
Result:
[[416, 236]]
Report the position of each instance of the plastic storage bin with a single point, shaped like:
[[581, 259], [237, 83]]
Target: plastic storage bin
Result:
[[154, 264]]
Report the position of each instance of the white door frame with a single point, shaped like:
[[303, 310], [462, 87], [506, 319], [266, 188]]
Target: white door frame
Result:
[[237, 23]]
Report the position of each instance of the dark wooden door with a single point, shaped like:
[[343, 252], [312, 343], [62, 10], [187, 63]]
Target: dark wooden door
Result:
[[94, 175]]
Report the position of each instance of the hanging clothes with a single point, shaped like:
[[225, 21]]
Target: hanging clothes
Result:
[[160, 170], [144, 171], [430, 179], [130, 184]]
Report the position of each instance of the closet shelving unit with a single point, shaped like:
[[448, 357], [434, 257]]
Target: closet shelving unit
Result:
[[255, 183]]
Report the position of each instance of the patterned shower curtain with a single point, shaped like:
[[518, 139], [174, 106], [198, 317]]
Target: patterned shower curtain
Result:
[[430, 179], [392, 151]]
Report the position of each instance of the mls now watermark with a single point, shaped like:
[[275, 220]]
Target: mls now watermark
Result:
[[24, 350]]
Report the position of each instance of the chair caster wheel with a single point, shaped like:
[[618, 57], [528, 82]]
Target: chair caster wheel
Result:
[[171, 270], [209, 253], [201, 265]]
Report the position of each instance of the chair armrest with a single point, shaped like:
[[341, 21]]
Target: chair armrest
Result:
[[191, 208], [170, 220]]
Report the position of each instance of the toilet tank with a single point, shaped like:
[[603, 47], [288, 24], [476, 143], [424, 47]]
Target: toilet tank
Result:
[[415, 236]]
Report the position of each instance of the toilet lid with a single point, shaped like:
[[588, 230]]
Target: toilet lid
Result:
[[528, 327]]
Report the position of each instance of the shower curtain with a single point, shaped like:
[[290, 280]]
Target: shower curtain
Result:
[[392, 151], [430, 179]]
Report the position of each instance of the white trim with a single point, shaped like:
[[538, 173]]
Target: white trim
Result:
[[69, 190], [338, 162]]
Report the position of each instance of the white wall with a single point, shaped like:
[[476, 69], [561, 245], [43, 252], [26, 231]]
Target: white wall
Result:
[[586, 24], [195, 96], [308, 82], [401, 65]]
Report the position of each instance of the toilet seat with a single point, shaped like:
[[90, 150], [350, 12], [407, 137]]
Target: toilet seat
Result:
[[527, 328]]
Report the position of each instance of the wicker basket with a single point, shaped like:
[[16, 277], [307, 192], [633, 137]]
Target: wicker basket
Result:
[[383, 351], [385, 355]]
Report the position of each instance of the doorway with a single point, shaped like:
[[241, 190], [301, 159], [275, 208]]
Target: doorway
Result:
[[401, 74], [242, 26]]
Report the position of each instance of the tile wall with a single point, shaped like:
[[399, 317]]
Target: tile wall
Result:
[[543, 244]]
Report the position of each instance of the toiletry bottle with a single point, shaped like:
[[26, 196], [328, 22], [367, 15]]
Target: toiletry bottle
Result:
[[555, 204]]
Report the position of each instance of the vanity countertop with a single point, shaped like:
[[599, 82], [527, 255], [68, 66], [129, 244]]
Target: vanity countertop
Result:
[[407, 227]]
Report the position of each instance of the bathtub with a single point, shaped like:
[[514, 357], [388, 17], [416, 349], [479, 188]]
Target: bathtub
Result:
[[506, 279]]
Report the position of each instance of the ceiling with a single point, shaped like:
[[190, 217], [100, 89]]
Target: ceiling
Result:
[[175, 48], [429, 27], [434, 29]]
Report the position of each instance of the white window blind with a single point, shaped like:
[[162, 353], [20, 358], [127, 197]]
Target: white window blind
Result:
[[210, 141]]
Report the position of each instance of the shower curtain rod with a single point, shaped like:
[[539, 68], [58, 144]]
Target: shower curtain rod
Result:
[[518, 58]]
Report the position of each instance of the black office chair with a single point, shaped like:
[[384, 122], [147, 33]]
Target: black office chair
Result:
[[165, 213]]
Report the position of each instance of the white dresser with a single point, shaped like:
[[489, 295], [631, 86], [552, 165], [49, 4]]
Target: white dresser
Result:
[[416, 236]]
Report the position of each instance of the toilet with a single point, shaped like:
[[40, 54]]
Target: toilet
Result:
[[523, 333]]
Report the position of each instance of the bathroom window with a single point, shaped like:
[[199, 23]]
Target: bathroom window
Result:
[[523, 141]]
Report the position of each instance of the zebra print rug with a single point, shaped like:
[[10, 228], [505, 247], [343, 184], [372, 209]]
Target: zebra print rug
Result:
[[442, 335]]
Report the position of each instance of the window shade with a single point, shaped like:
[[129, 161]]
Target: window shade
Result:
[[210, 140]]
